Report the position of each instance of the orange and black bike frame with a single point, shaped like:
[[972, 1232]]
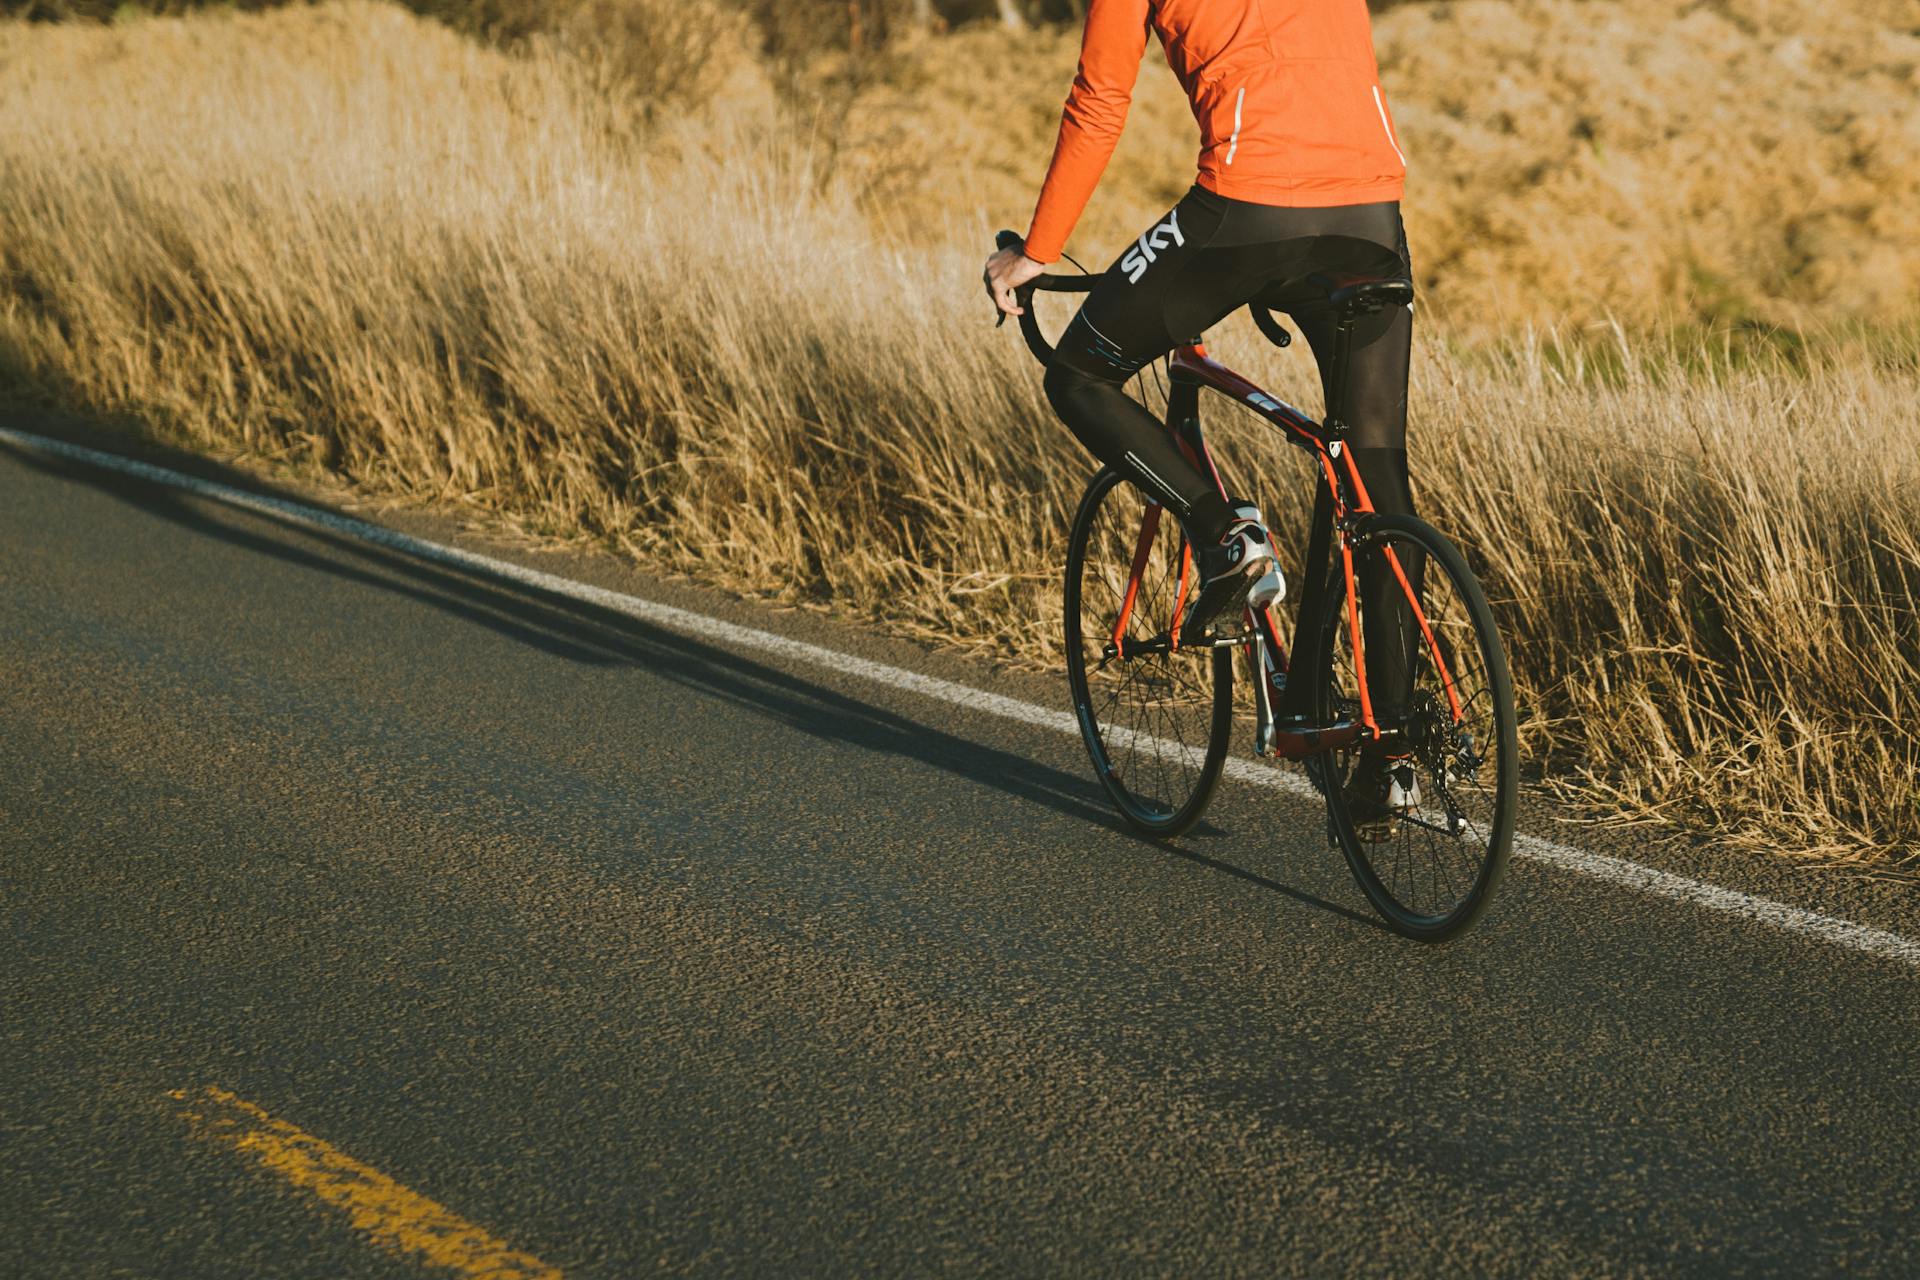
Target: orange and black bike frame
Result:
[[1297, 733]]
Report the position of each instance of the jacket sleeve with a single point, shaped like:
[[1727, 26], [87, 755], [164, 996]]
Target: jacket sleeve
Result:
[[1090, 124]]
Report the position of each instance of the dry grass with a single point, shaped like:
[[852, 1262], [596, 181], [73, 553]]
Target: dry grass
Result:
[[349, 238]]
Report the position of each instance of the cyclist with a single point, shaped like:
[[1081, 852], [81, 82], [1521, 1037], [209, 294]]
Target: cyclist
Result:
[[1300, 171]]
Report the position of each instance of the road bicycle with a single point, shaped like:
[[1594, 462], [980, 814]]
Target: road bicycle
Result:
[[1156, 708]]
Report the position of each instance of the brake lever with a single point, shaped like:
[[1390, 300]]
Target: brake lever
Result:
[[1006, 240], [1023, 296]]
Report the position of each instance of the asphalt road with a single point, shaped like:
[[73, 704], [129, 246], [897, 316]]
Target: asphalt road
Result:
[[650, 957]]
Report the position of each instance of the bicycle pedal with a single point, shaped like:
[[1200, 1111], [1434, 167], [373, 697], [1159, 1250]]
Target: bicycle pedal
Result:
[[1234, 628], [1229, 626], [1227, 629], [1381, 832]]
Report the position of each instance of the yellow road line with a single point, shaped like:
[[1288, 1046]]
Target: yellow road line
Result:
[[401, 1221]]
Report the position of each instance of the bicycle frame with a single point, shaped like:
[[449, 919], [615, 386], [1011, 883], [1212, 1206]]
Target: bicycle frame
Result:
[[1291, 732]]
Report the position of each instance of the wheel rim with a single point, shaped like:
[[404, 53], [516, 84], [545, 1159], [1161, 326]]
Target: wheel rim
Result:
[[1435, 863], [1150, 714]]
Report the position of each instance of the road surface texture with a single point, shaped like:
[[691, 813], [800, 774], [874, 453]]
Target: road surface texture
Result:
[[632, 953]]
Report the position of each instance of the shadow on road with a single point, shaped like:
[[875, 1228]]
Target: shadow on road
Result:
[[579, 631]]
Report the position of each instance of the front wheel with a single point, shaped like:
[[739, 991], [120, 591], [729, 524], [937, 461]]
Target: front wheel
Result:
[[1426, 815], [1156, 719]]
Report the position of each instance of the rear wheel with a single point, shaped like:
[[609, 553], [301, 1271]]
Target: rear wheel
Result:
[[1428, 844], [1156, 721]]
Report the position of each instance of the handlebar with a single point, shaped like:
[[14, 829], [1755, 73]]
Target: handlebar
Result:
[[1264, 321], [1030, 324]]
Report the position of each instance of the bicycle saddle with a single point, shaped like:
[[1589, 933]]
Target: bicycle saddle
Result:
[[1358, 278], [1361, 295]]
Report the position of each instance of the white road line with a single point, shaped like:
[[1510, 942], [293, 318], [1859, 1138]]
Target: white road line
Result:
[[1617, 871]]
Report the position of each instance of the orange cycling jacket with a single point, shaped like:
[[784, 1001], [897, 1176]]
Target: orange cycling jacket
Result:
[[1287, 93]]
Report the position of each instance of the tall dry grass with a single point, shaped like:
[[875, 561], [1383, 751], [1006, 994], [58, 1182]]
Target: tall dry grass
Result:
[[354, 240]]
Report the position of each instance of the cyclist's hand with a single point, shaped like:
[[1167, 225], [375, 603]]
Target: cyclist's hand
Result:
[[1006, 271]]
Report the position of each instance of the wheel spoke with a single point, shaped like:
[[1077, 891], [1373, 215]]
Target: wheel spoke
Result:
[[1427, 873], [1153, 710]]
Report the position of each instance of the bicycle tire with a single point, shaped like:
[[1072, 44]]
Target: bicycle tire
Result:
[[1390, 873], [1159, 758]]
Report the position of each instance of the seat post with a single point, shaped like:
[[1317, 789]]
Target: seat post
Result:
[[1183, 407], [1336, 423]]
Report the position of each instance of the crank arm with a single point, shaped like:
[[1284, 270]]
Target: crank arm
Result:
[[1264, 732]]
